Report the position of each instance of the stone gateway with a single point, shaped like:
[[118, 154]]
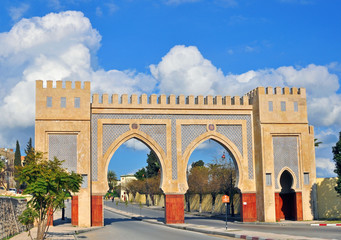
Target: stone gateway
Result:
[[266, 131]]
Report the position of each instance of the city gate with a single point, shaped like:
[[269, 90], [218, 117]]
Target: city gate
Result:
[[266, 131]]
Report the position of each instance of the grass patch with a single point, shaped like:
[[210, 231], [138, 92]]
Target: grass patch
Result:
[[16, 197]]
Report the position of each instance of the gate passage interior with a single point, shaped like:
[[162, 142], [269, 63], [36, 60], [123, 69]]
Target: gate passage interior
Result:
[[266, 131]]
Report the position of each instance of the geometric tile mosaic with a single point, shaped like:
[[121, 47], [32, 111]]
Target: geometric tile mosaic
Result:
[[157, 132], [111, 132], [191, 132], [233, 133], [285, 151], [64, 147]]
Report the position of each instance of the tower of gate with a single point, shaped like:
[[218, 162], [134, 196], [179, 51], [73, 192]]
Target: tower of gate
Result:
[[62, 130], [283, 142]]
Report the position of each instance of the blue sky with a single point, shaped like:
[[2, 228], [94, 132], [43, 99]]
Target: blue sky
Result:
[[225, 47]]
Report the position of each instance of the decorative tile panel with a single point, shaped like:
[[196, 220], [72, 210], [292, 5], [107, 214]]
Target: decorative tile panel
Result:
[[189, 133], [64, 147], [234, 133], [173, 119], [157, 132], [111, 132], [285, 151]]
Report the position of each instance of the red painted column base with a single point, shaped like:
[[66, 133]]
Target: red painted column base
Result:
[[50, 217], [299, 209], [97, 211], [174, 212], [248, 207], [74, 210], [278, 207]]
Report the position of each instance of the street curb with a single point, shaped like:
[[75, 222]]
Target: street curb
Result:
[[326, 225]]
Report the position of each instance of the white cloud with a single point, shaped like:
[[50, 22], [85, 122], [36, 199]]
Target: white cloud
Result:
[[325, 167], [177, 2], [54, 47], [185, 71], [136, 144], [99, 11], [17, 12]]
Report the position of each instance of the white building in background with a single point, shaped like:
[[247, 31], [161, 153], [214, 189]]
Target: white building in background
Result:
[[125, 179]]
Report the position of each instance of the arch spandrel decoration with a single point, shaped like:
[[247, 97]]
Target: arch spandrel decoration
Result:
[[151, 143], [172, 134]]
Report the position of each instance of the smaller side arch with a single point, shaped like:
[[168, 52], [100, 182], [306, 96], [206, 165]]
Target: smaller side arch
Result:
[[294, 178], [224, 141]]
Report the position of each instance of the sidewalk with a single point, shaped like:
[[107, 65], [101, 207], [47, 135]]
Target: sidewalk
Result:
[[63, 230], [230, 232]]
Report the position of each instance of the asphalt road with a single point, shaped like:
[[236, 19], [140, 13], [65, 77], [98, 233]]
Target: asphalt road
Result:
[[296, 230], [121, 228]]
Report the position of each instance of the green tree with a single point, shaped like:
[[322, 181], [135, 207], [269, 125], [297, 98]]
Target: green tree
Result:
[[225, 171], [49, 184], [17, 155], [29, 150], [337, 160], [141, 174], [2, 171], [214, 182], [153, 165], [199, 163], [17, 161], [2, 165], [198, 182], [112, 178]]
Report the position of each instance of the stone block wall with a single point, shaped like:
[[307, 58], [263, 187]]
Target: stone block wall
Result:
[[10, 210]]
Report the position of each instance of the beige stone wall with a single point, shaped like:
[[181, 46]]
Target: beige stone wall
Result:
[[328, 202], [68, 120], [287, 123], [219, 207]]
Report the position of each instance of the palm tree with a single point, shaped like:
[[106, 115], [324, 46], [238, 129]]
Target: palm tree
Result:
[[317, 144], [112, 178]]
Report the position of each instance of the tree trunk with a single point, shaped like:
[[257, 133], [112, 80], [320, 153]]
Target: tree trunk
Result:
[[213, 201], [200, 201], [232, 205], [147, 200], [187, 196], [152, 198]]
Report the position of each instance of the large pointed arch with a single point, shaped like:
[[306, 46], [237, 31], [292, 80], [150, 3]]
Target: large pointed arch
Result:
[[226, 143], [143, 137]]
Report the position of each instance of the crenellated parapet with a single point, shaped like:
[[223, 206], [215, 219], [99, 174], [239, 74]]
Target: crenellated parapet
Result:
[[63, 100], [73, 101], [169, 102]]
